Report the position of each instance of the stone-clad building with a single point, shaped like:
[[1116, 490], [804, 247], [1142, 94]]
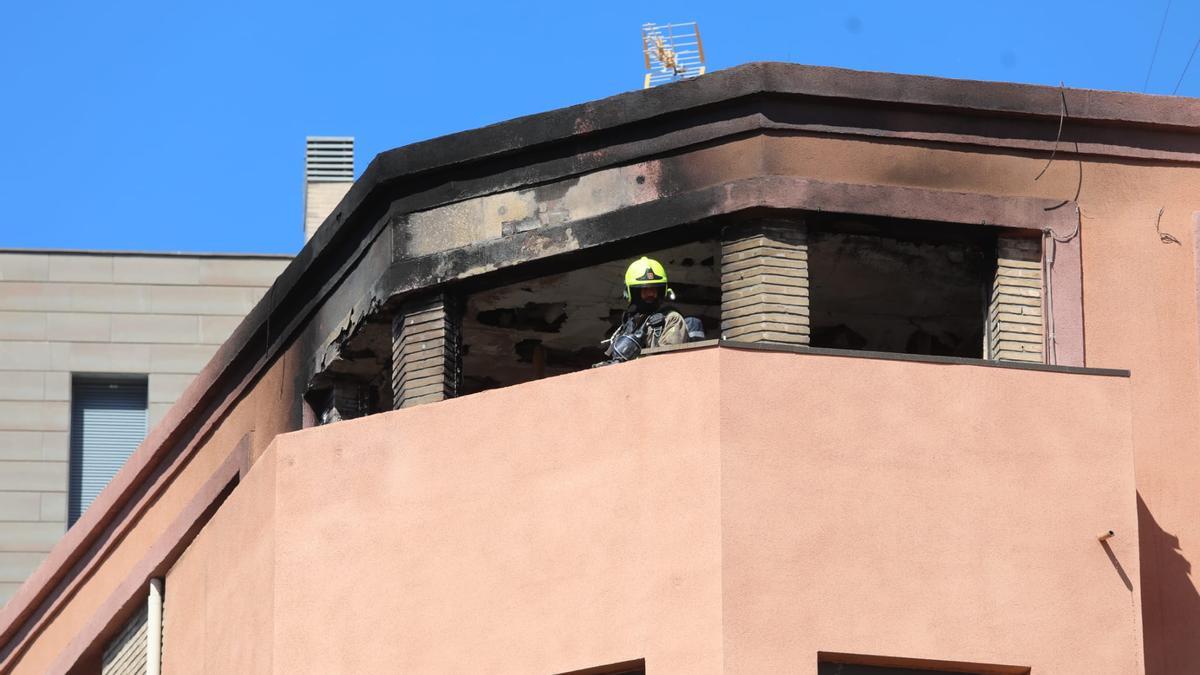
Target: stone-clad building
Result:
[[943, 423], [127, 332], [95, 346]]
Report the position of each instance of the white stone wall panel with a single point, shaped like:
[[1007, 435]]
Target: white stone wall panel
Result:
[[62, 314]]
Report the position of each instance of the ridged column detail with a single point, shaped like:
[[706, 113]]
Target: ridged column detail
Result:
[[426, 351], [1016, 324], [764, 283]]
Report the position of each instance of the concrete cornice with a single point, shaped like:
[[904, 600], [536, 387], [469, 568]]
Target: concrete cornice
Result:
[[961, 96], [769, 97]]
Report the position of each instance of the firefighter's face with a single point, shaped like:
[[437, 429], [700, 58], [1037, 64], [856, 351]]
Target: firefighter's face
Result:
[[648, 294]]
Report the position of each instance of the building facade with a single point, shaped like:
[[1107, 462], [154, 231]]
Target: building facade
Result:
[[943, 421], [95, 346], [70, 319]]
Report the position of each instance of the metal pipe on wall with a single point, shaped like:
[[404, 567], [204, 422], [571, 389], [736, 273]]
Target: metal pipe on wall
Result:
[[154, 626]]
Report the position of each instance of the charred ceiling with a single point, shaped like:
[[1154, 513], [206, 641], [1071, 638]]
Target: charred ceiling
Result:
[[555, 324]]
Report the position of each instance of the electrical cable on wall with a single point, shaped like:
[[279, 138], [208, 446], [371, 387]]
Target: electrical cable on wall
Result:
[[1047, 275], [1062, 115], [1164, 237], [1074, 233], [1050, 240]]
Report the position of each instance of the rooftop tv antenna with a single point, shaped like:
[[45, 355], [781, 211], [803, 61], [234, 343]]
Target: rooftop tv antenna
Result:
[[673, 52]]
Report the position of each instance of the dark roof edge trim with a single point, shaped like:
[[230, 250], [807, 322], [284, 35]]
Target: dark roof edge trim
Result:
[[995, 98], [751, 79]]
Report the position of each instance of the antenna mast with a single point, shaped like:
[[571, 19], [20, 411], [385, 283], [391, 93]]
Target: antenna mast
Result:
[[672, 52]]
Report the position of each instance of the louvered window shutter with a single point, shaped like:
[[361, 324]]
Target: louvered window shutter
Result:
[[108, 421]]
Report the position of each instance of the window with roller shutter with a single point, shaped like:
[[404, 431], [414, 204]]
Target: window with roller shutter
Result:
[[108, 421]]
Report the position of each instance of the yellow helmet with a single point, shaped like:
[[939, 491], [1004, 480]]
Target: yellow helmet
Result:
[[646, 272]]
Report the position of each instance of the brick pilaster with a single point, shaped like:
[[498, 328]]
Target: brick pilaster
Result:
[[426, 351], [1016, 324], [764, 282]]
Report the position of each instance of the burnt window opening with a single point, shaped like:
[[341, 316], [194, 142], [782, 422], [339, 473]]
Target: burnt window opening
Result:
[[356, 381], [555, 324], [346, 399], [899, 286]]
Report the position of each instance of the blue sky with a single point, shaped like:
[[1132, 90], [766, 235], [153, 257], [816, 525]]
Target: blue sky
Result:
[[173, 126]]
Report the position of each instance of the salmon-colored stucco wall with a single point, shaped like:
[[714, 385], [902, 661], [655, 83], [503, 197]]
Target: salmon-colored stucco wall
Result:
[[925, 511], [222, 587], [263, 412], [540, 528], [1140, 313], [708, 510]]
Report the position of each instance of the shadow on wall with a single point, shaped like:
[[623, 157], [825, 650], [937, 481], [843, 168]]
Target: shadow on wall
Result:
[[1170, 602]]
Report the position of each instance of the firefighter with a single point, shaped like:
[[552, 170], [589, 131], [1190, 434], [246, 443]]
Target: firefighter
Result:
[[647, 322]]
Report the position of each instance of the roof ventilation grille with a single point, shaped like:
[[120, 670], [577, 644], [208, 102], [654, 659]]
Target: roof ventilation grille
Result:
[[329, 159]]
